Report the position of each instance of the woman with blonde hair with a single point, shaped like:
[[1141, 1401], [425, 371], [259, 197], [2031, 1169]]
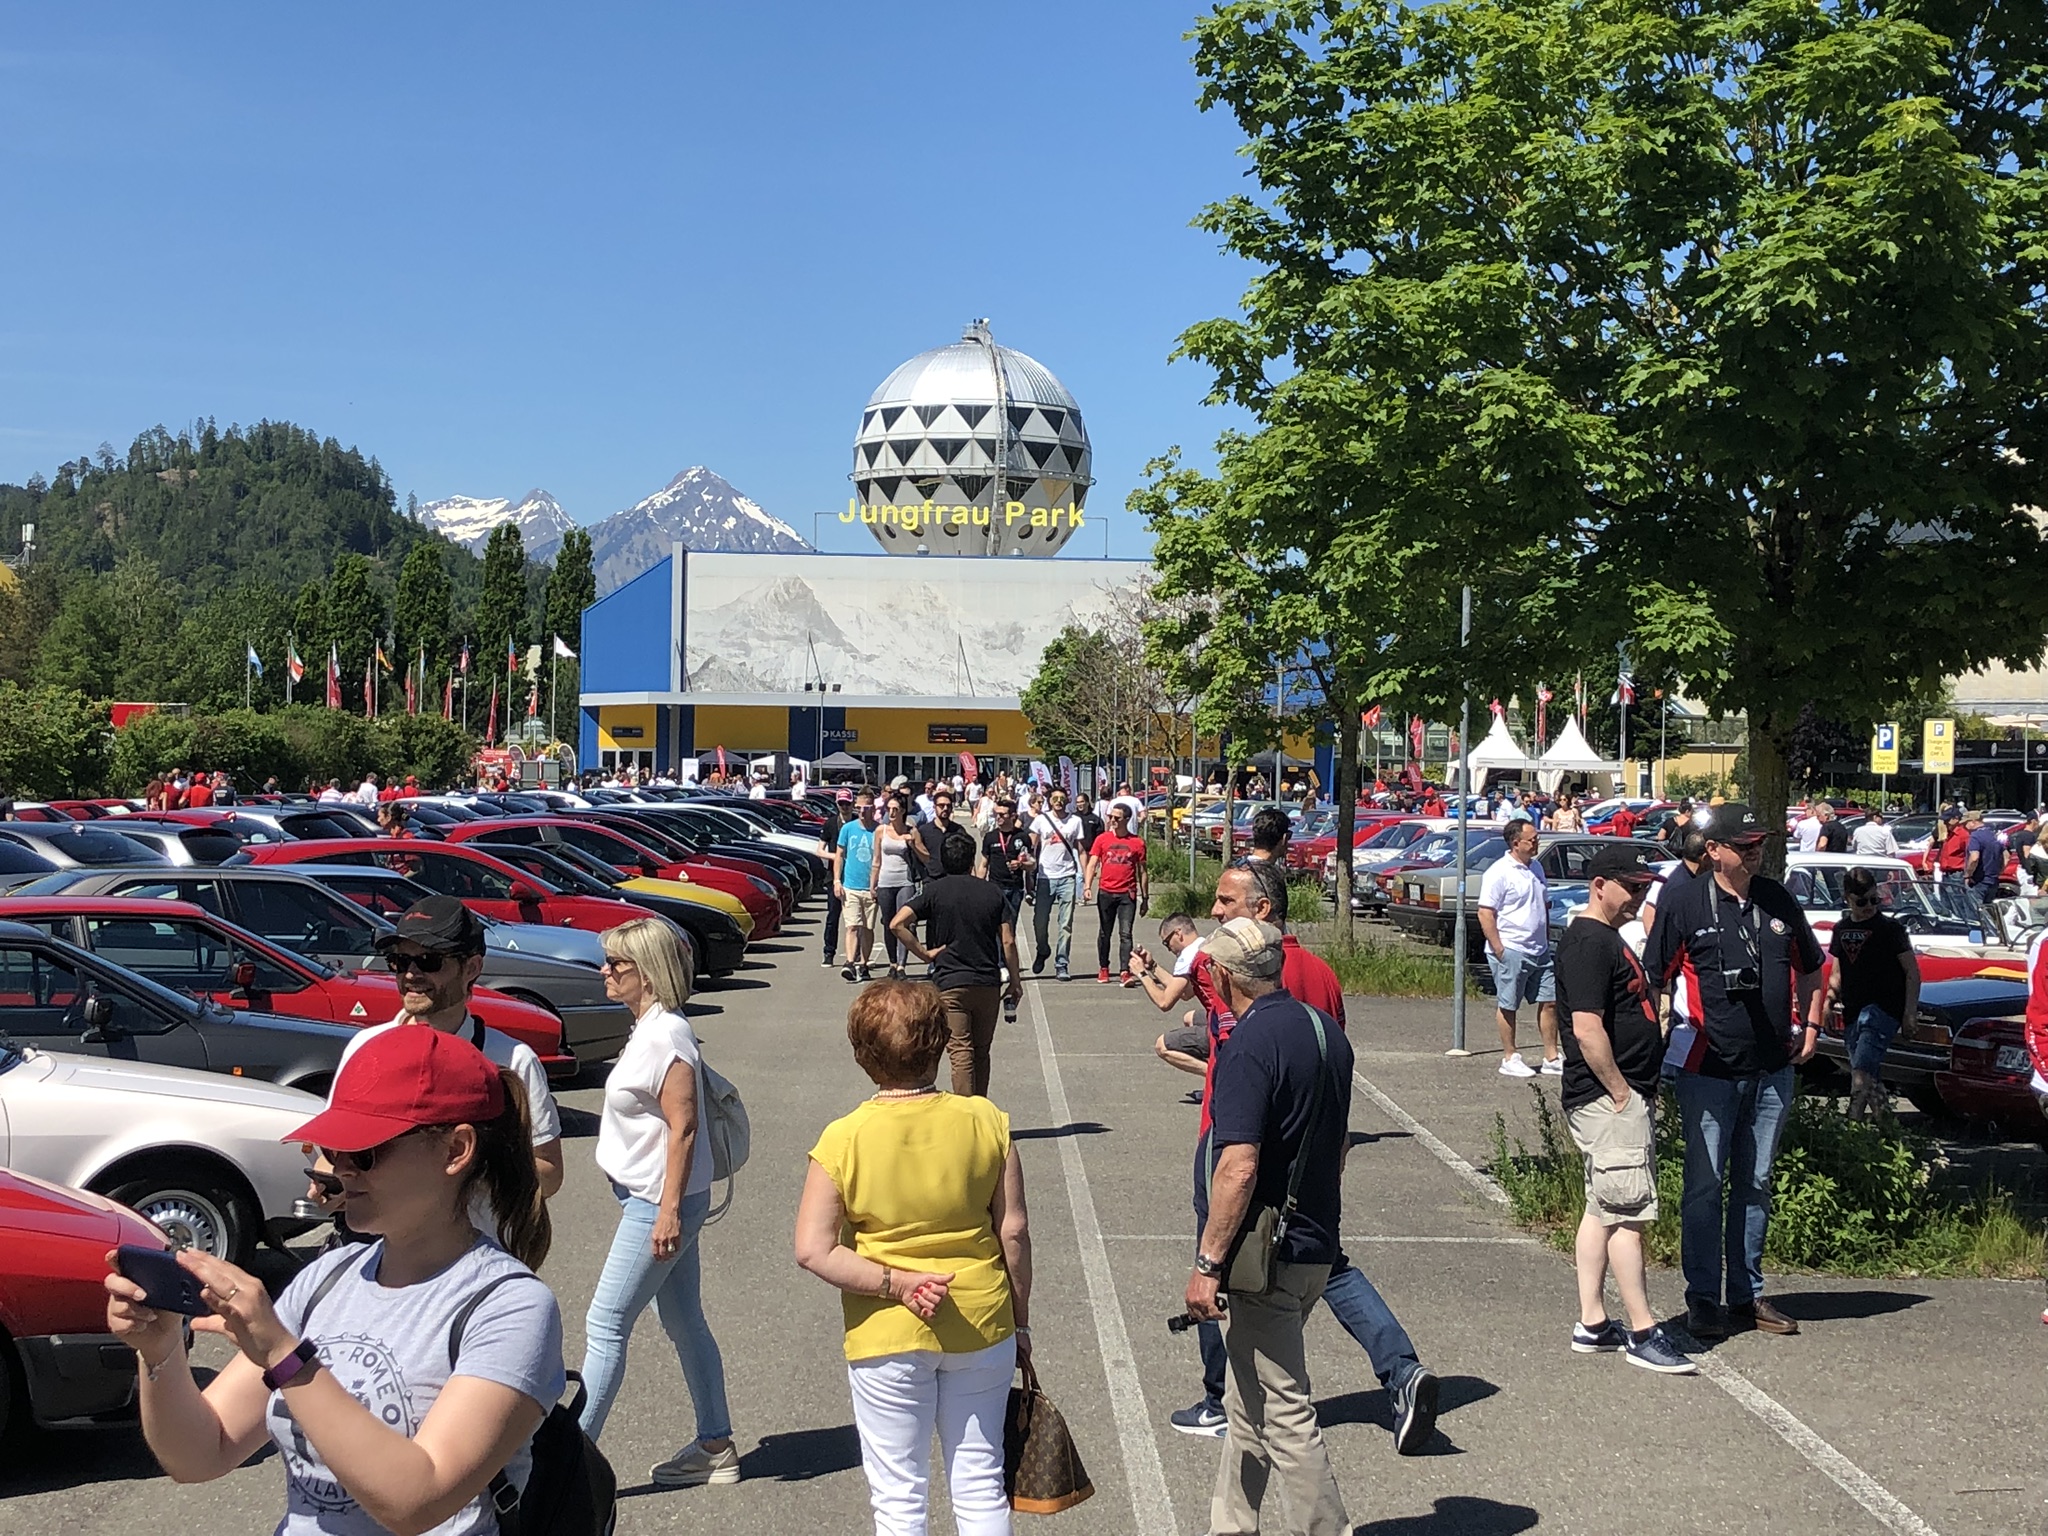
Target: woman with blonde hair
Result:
[[660, 1170], [936, 1287]]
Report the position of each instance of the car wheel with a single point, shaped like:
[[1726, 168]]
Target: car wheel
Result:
[[195, 1209]]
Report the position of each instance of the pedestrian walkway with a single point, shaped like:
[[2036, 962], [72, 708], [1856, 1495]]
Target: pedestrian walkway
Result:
[[1902, 1407]]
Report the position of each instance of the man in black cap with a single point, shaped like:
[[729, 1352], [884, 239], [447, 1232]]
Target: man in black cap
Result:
[[1743, 947], [1613, 1055], [436, 954]]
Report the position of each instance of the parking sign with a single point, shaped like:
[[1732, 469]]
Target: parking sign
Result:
[[1938, 750], [1884, 749]]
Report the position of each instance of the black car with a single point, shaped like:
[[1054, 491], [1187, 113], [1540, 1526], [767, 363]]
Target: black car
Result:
[[62, 998], [1924, 1044]]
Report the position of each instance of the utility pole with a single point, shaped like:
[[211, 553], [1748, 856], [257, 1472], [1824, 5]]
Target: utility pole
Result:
[[1464, 810]]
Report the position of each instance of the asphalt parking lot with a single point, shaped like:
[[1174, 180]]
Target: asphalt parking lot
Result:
[[1905, 1406]]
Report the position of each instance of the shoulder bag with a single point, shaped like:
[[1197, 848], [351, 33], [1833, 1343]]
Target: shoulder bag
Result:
[[1042, 1471], [1253, 1262]]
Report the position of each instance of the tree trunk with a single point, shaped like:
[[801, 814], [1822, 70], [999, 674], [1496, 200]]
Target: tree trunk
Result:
[[1769, 737], [1347, 806]]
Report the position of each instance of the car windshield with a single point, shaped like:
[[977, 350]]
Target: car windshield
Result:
[[95, 846], [1819, 889], [1397, 834]]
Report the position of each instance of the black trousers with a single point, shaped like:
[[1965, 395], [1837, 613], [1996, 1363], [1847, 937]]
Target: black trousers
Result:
[[1121, 910], [833, 905]]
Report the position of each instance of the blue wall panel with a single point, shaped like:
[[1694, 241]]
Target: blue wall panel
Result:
[[626, 641]]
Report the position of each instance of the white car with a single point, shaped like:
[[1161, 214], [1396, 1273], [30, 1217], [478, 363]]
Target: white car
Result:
[[201, 1154]]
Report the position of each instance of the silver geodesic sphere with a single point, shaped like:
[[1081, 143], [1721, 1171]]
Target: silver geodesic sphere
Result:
[[971, 449]]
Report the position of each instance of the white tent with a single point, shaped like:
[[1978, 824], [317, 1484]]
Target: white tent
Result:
[[1570, 754], [1498, 750]]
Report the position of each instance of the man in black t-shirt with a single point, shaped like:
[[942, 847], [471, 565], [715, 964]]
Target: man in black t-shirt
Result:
[[1740, 948], [972, 940], [1613, 1052], [1876, 984], [1007, 859]]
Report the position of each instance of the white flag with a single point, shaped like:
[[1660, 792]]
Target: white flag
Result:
[[562, 649]]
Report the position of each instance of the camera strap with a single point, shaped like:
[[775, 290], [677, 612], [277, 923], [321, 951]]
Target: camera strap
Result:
[[1745, 926]]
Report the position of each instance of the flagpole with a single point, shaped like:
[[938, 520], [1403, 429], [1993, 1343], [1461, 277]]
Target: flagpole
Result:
[[248, 676], [291, 650], [554, 681]]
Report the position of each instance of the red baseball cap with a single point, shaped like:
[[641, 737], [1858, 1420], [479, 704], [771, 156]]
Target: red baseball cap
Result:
[[404, 1077]]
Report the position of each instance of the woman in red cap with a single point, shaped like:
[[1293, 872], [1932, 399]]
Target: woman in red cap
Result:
[[350, 1373]]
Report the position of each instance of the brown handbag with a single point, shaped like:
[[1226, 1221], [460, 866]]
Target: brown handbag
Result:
[[1042, 1472]]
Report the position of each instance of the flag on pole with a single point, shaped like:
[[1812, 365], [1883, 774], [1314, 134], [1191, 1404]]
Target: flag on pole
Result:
[[1372, 718], [1579, 697], [511, 657], [383, 660], [562, 649], [333, 677], [448, 698], [491, 720], [533, 700], [412, 702], [293, 662], [1415, 735], [255, 661], [1624, 688], [1498, 712], [465, 658], [370, 688]]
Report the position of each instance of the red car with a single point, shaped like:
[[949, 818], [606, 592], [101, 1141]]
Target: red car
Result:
[[1308, 853], [480, 881], [57, 1360], [190, 950], [1990, 1076], [630, 857]]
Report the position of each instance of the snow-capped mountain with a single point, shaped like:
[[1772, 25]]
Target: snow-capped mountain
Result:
[[468, 521], [698, 509]]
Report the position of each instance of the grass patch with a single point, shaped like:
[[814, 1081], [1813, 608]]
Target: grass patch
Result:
[[1847, 1197], [1372, 969]]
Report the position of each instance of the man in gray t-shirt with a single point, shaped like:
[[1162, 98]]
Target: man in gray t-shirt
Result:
[[388, 1347]]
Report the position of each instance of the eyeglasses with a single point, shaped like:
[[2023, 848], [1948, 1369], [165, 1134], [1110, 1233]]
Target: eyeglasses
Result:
[[368, 1158], [615, 963], [399, 962]]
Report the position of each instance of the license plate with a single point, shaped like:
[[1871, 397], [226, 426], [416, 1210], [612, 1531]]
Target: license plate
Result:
[[1414, 894], [2011, 1058]]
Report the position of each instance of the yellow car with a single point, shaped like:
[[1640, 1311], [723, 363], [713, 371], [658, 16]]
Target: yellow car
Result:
[[697, 895]]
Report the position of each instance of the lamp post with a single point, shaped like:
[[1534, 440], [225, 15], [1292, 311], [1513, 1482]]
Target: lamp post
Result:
[[1464, 809]]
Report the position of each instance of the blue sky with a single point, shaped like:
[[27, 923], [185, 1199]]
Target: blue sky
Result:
[[585, 247]]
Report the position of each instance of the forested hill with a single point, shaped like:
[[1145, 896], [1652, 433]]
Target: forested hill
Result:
[[271, 503]]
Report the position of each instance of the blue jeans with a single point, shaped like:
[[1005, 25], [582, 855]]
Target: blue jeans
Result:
[[1732, 1127], [1870, 1036], [633, 1277], [1053, 901]]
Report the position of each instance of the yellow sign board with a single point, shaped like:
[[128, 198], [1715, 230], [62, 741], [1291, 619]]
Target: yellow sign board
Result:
[[1884, 749], [1938, 749]]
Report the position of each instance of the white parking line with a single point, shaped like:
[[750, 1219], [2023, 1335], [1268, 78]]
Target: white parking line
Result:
[[1866, 1490], [1150, 1506], [1349, 1239]]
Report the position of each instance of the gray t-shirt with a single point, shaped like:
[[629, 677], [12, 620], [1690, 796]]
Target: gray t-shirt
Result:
[[389, 1348]]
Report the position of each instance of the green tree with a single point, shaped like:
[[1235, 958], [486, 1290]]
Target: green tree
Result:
[[422, 614], [572, 587], [158, 742], [435, 751], [1735, 310], [311, 631], [355, 620], [53, 742], [503, 613], [73, 652]]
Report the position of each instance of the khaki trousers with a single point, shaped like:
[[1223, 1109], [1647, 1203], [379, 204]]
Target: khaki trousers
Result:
[[1272, 1434], [971, 1014]]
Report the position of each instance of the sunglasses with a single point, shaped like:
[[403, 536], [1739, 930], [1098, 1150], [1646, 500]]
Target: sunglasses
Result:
[[368, 1158], [427, 965], [615, 963]]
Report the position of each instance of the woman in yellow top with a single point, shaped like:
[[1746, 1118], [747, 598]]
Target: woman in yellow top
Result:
[[937, 1285]]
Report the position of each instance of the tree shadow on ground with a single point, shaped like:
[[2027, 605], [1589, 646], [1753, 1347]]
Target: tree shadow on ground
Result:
[[1048, 1132]]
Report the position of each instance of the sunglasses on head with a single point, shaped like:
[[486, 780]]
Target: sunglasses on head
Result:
[[367, 1159]]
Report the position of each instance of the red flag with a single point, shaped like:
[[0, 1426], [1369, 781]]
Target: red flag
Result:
[[533, 700], [370, 688], [333, 677], [412, 702], [721, 760], [448, 698], [511, 657], [465, 658], [969, 769], [491, 720], [1499, 713], [1415, 735], [1372, 718]]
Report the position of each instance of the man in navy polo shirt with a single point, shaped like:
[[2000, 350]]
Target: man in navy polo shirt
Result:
[[1280, 1121]]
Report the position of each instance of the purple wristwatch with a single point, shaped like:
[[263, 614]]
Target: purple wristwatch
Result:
[[292, 1366]]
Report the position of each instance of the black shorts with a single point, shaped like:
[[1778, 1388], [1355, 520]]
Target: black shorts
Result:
[[1189, 1042]]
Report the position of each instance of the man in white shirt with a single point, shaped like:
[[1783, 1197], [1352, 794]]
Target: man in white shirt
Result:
[[1056, 841], [1514, 914], [366, 792], [436, 952], [1874, 838], [1128, 799], [1806, 835]]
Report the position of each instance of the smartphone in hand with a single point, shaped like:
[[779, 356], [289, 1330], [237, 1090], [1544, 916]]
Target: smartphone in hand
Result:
[[166, 1284]]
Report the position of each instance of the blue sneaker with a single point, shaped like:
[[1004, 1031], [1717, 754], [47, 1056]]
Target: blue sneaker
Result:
[[1414, 1404], [1205, 1420], [1653, 1351], [1604, 1340]]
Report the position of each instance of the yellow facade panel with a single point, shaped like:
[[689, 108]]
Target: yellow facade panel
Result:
[[742, 727], [625, 728]]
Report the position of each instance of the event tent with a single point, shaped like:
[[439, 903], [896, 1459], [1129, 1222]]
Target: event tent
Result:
[[1571, 754], [1498, 750]]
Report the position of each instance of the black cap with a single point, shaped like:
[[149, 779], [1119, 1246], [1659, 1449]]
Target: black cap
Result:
[[439, 924], [1732, 822], [1621, 860]]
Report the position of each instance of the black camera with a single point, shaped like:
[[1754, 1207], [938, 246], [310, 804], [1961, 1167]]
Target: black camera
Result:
[[1741, 979]]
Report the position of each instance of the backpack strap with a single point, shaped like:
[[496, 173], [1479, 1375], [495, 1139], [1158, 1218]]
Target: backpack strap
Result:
[[327, 1283], [503, 1497]]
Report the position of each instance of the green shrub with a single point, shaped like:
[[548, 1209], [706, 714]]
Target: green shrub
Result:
[[53, 742], [1847, 1197], [157, 742]]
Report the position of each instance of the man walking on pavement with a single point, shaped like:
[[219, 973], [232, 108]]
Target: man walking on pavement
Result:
[[1056, 843], [1259, 892], [1514, 915], [1613, 1062], [1006, 857], [1984, 857], [835, 907], [973, 955], [853, 882], [1744, 945], [1282, 1112], [1117, 881]]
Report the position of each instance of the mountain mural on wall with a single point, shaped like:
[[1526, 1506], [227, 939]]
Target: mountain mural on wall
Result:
[[698, 508]]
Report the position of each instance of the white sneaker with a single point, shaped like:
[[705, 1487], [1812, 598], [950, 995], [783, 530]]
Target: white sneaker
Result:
[[694, 1465], [1553, 1067], [1514, 1066]]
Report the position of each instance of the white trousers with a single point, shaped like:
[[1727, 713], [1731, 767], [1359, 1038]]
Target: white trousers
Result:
[[899, 1399]]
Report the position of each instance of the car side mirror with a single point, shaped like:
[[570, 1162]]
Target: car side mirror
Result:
[[649, 867], [244, 975], [523, 892], [98, 1016]]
